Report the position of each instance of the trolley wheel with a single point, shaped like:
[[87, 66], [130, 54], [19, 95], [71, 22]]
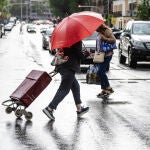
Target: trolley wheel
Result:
[[28, 115], [18, 113], [8, 110]]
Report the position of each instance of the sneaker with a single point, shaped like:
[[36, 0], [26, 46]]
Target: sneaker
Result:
[[83, 111], [49, 113]]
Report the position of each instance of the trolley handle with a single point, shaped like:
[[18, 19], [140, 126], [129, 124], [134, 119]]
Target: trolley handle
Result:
[[10, 102], [53, 73]]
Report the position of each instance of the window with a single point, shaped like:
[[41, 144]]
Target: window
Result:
[[141, 28]]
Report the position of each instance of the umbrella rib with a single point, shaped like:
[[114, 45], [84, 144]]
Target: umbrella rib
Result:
[[79, 23], [82, 24]]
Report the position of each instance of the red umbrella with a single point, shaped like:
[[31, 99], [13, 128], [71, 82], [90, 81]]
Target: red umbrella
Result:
[[75, 28]]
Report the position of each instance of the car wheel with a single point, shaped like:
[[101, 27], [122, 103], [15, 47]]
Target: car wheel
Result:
[[49, 51], [132, 62], [44, 47], [53, 52], [122, 59]]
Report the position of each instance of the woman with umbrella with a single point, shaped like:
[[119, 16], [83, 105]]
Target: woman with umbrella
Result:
[[68, 34], [68, 80]]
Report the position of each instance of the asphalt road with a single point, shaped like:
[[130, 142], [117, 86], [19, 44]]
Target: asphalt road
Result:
[[121, 124]]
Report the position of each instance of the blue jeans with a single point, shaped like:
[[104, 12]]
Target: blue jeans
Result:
[[102, 68], [68, 82]]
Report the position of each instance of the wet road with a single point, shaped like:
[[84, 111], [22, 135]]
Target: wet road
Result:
[[122, 124]]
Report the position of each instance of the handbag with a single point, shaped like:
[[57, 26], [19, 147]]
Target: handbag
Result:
[[59, 59], [106, 47], [99, 57]]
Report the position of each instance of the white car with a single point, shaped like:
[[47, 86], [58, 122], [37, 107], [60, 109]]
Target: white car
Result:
[[31, 28], [89, 44], [43, 28], [46, 38], [8, 27]]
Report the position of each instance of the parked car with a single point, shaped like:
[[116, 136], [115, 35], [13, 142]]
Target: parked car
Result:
[[45, 27], [2, 30], [13, 20], [8, 27], [116, 32], [31, 28], [134, 43], [46, 38], [89, 44]]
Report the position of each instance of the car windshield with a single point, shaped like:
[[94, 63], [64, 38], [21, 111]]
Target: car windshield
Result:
[[49, 32], [141, 28], [92, 37]]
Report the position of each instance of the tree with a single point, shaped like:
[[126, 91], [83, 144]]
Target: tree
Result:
[[2, 3], [4, 9], [143, 12], [65, 7]]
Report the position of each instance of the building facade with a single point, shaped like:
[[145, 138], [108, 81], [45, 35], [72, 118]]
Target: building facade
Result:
[[123, 11], [116, 12]]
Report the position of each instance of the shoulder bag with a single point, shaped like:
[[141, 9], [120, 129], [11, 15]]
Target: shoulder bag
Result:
[[59, 59], [99, 54], [98, 57]]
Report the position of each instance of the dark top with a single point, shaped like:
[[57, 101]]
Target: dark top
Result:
[[75, 55]]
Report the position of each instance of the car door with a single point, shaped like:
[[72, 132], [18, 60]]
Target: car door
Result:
[[125, 39]]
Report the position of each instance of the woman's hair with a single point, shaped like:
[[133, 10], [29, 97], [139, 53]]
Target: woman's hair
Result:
[[102, 28]]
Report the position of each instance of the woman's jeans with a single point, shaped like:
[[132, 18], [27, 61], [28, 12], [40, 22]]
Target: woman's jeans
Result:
[[68, 81], [102, 68]]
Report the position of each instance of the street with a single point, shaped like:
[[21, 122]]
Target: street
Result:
[[122, 124]]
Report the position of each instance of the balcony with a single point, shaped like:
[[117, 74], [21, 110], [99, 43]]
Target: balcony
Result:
[[131, 13], [117, 14]]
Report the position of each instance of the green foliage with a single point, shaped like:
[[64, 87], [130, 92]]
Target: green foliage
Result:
[[144, 10], [63, 8], [2, 3]]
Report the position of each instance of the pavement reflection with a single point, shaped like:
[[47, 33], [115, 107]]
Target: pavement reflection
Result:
[[60, 141]]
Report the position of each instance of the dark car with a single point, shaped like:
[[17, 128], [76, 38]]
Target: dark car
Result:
[[46, 38], [134, 43]]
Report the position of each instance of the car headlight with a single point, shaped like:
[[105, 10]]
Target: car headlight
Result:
[[137, 44], [47, 39]]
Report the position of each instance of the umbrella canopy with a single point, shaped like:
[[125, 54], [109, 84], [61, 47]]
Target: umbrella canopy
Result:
[[75, 28]]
